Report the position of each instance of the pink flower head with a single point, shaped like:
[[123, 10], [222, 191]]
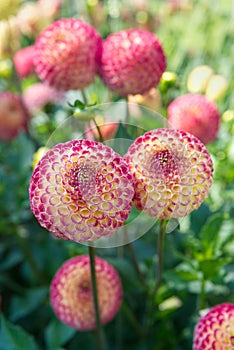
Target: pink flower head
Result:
[[172, 173], [37, 95], [13, 115], [132, 61], [196, 114], [71, 292], [215, 330], [81, 190], [23, 61], [67, 54]]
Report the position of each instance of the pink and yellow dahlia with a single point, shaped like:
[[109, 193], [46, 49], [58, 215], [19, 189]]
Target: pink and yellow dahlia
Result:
[[132, 61], [172, 172], [196, 114], [215, 330], [67, 54], [71, 292], [81, 190]]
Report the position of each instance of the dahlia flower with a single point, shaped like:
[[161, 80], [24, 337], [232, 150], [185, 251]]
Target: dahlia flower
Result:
[[172, 173], [23, 61], [215, 330], [37, 95], [81, 190], [132, 61], [71, 292], [196, 114], [13, 115], [67, 54]]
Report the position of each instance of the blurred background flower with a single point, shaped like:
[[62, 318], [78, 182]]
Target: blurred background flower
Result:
[[13, 115], [67, 54], [71, 292], [196, 114], [132, 62]]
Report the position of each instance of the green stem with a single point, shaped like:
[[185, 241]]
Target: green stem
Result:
[[160, 255], [101, 341], [85, 99], [99, 131]]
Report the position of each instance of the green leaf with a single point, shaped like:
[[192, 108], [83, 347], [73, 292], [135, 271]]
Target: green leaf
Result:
[[57, 334], [77, 104], [211, 268], [22, 306], [210, 235], [14, 337]]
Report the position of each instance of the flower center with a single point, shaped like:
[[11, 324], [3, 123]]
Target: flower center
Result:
[[163, 163], [81, 181]]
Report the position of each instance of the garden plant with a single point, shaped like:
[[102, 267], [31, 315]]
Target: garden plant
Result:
[[116, 175]]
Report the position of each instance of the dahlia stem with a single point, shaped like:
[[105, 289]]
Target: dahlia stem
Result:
[[85, 99], [160, 255], [101, 139], [101, 341]]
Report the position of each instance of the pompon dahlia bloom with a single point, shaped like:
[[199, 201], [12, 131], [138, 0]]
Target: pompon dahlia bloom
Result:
[[13, 115], [37, 95], [81, 190], [172, 173], [215, 330], [71, 292], [132, 61], [67, 54], [23, 61], [196, 114]]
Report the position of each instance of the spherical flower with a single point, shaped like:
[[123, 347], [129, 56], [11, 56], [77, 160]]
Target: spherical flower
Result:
[[81, 190], [67, 54], [132, 61], [196, 114], [71, 292], [198, 79], [23, 61], [215, 330], [13, 115], [37, 95], [172, 172]]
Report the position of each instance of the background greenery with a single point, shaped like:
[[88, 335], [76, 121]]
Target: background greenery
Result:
[[198, 254]]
